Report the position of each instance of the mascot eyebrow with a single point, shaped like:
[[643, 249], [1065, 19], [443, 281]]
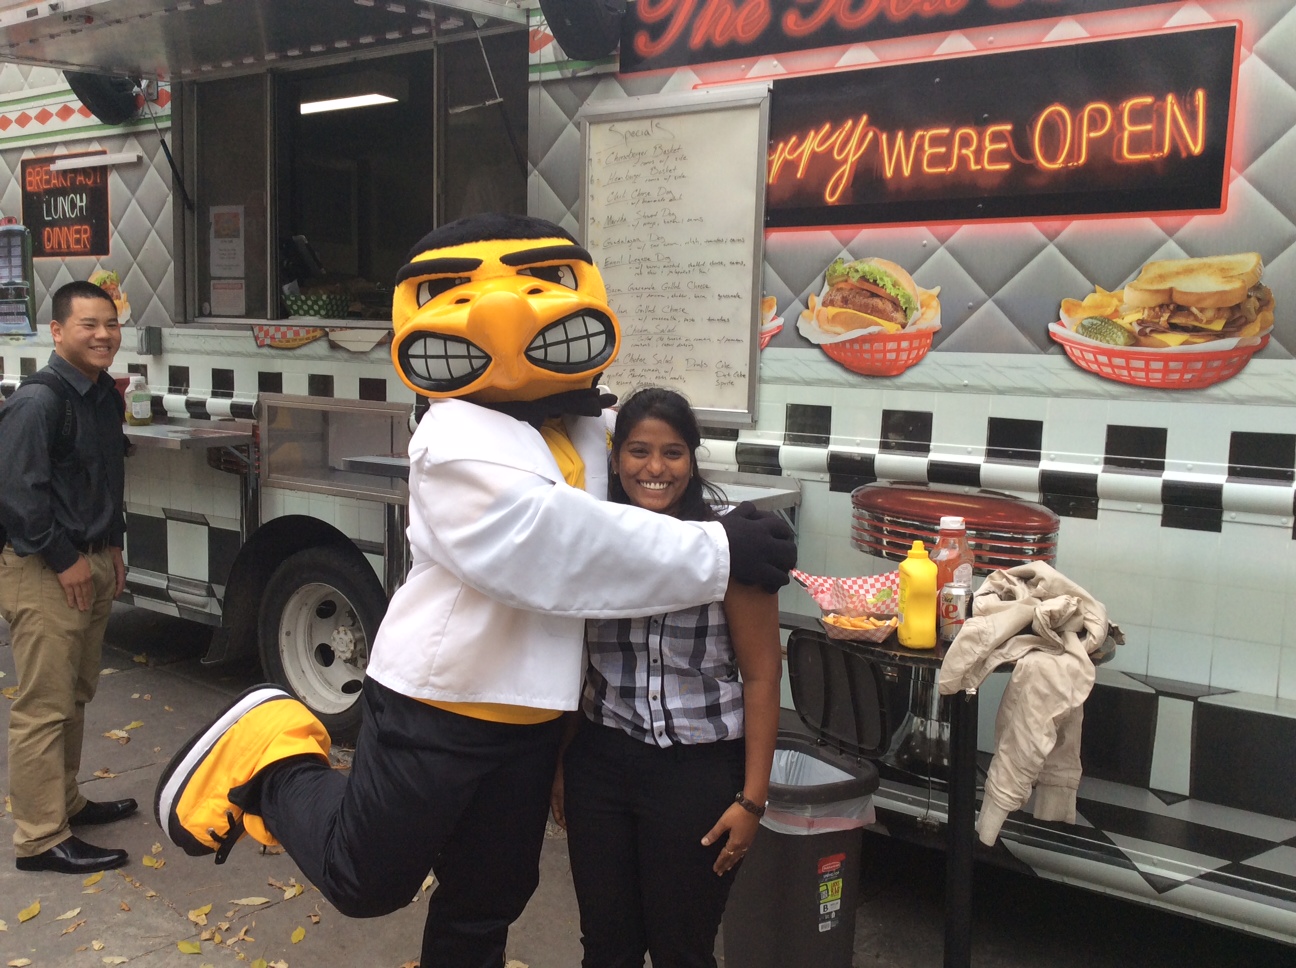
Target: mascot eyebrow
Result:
[[546, 253], [437, 267]]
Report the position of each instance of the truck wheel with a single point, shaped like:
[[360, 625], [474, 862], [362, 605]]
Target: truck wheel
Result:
[[319, 615]]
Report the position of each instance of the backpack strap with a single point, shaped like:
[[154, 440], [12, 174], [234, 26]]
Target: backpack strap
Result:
[[65, 430]]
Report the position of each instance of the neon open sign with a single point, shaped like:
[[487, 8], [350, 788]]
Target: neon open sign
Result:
[[1132, 125]]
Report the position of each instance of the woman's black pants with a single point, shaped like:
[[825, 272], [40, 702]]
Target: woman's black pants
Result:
[[636, 815]]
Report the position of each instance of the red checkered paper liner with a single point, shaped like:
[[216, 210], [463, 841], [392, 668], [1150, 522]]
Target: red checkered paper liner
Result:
[[853, 596]]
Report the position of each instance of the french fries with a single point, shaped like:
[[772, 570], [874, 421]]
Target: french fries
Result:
[[858, 621]]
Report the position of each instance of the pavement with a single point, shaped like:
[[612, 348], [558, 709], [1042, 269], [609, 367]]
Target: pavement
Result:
[[155, 690]]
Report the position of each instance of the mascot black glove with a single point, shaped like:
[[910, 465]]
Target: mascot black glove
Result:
[[762, 548]]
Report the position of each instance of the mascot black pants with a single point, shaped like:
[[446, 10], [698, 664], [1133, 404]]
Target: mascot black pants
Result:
[[428, 790]]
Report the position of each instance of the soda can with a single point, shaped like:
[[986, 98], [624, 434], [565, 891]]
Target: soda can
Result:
[[952, 609]]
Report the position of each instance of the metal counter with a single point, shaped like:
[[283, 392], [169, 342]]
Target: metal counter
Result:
[[169, 435]]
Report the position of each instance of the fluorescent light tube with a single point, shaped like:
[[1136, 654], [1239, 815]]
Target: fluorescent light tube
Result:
[[344, 103], [93, 161]]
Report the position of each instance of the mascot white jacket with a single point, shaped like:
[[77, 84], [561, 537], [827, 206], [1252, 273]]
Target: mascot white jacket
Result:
[[503, 323]]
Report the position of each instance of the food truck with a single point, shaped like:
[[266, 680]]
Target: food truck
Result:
[[1041, 250]]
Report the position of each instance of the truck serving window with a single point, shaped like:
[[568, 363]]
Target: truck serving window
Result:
[[313, 183]]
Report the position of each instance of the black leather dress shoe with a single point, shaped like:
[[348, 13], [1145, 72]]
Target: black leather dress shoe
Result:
[[105, 812], [73, 856]]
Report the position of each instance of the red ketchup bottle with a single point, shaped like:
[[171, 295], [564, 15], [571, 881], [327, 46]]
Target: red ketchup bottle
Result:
[[952, 555]]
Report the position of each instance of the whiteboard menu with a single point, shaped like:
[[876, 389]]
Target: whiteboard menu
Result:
[[673, 214]]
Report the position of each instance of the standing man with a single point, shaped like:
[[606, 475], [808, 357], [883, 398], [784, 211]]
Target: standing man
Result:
[[62, 479]]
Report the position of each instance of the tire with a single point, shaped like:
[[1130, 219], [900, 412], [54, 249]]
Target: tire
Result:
[[319, 615]]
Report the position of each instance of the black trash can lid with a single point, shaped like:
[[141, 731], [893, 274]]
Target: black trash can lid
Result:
[[838, 694]]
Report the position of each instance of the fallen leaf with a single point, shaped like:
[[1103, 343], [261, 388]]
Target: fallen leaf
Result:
[[93, 879], [260, 963], [150, 894], [97, 945], [241, 936], [68, 915], [189, 947], [315, 917], [27, 913], [119, 735], [115, 960], [514, 963], [293, 891], [73, 926], [147, 697], [222, 925], [157, 749], [124, 906], [428, 882], [157, 863], [298, 934], [9, 692], [19, 963], [92, 890], [199, 915], [216, 937], [82, 947], [157, 847], [141, 659], [134, 724], [3, 926], [278, 964], [135, 695], [106, 672], [168, 709], [105, 774], [250, 901]]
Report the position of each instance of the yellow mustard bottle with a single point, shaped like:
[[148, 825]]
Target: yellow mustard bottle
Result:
[[916, 609]]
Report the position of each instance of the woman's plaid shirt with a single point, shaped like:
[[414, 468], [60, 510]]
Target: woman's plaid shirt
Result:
[[665, 679]]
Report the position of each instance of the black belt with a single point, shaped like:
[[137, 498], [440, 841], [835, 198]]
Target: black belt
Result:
[[91, 547]]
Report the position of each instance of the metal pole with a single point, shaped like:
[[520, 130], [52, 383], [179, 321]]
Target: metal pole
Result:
[[961, 830]]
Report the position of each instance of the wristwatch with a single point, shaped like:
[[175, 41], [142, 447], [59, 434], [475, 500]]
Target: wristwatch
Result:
[[749, 805]]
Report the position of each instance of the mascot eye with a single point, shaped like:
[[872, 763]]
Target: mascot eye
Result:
[[559, 275], [429, 289]]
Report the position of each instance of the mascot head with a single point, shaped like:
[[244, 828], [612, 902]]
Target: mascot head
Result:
[[500, 308]]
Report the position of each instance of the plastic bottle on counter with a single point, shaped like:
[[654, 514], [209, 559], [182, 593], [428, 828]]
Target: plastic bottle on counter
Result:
[[916, 609], [139, 402], [953, 557]]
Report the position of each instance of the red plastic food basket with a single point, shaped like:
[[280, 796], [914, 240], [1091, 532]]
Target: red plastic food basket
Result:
[[1163, 370], [881, 354]]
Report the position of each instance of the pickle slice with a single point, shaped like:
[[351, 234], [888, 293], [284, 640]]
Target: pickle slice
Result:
[[1104, 330]]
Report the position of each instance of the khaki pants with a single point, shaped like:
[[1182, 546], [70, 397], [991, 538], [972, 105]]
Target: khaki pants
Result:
[[56, 651]]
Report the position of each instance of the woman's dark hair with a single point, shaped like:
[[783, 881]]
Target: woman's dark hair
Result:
[[672, 409]]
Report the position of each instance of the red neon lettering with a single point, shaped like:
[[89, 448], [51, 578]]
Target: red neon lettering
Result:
[[849, 155], [1130, 128], [997, 138], [59, 239], [1188, 144], [795, 25], [892, 155], [1087, 129], [718, 23], [960, 136], [930, 151], [653, 11], [1060, 116]]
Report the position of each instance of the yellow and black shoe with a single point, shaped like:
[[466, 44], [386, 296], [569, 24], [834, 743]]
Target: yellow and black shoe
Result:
[[263, 726]]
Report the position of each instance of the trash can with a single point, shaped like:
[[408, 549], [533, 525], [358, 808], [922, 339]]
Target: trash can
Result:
[[794, 898]]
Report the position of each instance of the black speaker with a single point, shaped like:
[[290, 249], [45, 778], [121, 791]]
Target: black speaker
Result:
[[586, 29], [110, 99]]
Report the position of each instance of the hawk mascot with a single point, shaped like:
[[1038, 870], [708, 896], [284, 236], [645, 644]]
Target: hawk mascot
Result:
[[502, 321]]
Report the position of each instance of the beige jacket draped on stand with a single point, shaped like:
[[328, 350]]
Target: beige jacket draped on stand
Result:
[[1046, 624]]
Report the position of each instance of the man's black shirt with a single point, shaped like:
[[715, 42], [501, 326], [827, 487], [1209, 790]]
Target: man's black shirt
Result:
[[51, 508]]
